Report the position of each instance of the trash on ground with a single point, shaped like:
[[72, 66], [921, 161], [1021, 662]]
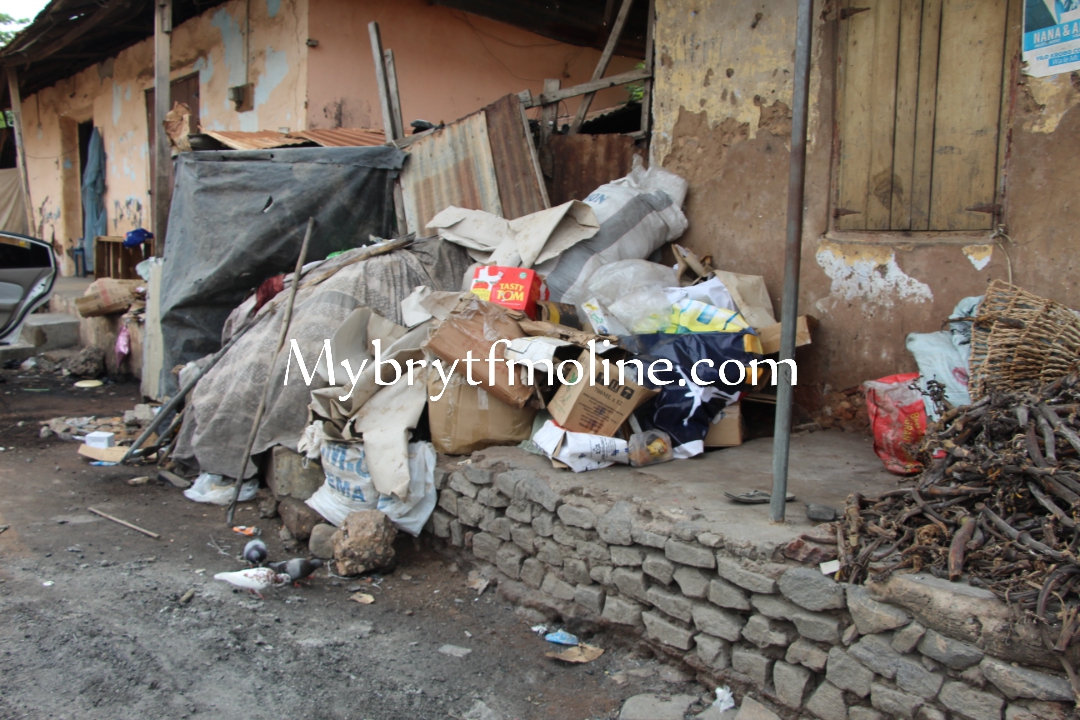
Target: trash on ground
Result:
[[454, 651], [578, 654], [477, 582], [725, 700], [209, 488], [124, 523], [248, 530], [187, 596], [139, 480], [88, 383], [561, 637], [362, 598]]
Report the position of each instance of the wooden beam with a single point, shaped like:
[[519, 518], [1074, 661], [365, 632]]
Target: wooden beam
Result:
[[20, 148], [590, 87], [601, 67], [549, 114], [70, 36], [647, 83], [392, 88], [380, 79], [162, 190]]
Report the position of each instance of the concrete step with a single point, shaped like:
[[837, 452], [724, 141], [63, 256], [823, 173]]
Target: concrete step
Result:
[[18, 350], [50, 331]]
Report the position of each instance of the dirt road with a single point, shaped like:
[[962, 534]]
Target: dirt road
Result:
[[93, 626]]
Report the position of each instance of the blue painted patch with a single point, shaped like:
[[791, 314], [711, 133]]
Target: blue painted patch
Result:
[[117, 103], [277, 67], [272, 7], [68, 164], [205, 67], [232, 38]]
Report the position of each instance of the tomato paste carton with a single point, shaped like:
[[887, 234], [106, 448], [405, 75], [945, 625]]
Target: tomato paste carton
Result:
[[511, 287]]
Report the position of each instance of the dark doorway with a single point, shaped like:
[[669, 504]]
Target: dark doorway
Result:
[[85, 130]]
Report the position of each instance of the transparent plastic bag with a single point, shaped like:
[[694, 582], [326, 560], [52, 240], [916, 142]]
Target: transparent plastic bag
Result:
[[207, 488], [633, 291]]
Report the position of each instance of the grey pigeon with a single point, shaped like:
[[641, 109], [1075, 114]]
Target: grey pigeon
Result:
[[255, 552], [297, 568]]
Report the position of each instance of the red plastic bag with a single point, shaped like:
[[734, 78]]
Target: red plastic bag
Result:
[[898, 417]]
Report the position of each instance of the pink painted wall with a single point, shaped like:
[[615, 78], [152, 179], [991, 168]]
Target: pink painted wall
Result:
[[449, 63]]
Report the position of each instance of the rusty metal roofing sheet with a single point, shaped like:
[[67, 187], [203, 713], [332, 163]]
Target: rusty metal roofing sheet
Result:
[[257, 140], [452, 166], [517, 168], [581, 163], [343, 137]]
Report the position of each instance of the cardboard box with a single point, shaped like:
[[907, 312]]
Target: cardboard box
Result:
[[467, 418], [475, 326], [596, 408], [511, 287], [729, 431], [770, 336], [106, 296]]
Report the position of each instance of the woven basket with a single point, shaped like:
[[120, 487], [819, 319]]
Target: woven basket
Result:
[[1020, 341]]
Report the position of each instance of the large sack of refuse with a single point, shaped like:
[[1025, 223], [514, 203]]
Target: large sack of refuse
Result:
[[637, 215]]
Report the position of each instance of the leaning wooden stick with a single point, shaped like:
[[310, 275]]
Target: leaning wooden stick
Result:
[[124, 523], [266, 388]]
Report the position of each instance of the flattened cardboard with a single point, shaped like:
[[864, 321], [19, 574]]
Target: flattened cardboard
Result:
[[112, 454], [729, 431], [770, 336], [596, 408]]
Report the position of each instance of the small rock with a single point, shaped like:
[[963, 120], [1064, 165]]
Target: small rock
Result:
[[808, 588], [451, 650], [656, 707], [820, 513], [753, 710], [89, 363], [299, 517], [365, 541], [321, 543]]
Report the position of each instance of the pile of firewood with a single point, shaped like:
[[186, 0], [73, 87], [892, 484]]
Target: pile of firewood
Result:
[[997, 505]]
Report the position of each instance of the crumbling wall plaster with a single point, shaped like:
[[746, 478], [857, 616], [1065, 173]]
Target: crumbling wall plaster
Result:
[[113, 95]]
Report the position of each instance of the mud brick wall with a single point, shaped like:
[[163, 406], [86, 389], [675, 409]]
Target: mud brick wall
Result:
[[742, 615]]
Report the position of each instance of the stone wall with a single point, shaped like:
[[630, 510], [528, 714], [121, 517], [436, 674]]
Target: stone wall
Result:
[[741, 614]]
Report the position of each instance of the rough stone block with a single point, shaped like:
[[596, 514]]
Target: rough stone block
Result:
[[563, 535], [1035, 711], [871, 616], [631, 583], [931, 713], [486, 546], [711, 540], [478, 475], [790, 682], [912, 677], [847, 673], [470, 512], [298, 517], [576, 571], [687, 530], [720, 623], [539, 492], [365, 541], [287, 476], [763, 632], [441, 477], [440, 523], [549, 553], [595, 552], [875, 652], [893, 702], [808, 588], [506, 483], [491, 497], [457, 533], [520, 511], [590, 596], [461, 485], [622, 611], [557, 587], [524, 537], [752, 664], [775, 606], [626, 556], [321, 543], [713, 651], [904, 641], [508, 559], [649, 535], [577, 516], [827, 702], [970, 703], [448, 501], [544, 523], [659, 628], [692, 582], [726, 595], [817, 626], [953, 653], [614, 526], [659, 567], [501, 527], [671, 603], [803, 652], [862, 713], [532, 573], [1017, 682], [655, 707], [732, 571], [601, 574], [689, 554], [751, 709]]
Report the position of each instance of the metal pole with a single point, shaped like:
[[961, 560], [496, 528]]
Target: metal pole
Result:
[[789, 307], [161, 181]]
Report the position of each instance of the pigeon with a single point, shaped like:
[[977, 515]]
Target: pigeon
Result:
[[297, 568], [254, 579], [255, 552]]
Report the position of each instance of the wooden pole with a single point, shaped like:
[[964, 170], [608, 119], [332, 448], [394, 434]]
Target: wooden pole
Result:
[[646, 85], [549, 114], [20, 148], [125, 523], [286, 321], [162, 96], [380, 78], [601, 67], [392, 91]]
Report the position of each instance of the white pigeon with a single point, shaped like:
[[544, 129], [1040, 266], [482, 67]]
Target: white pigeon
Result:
[[254, 579]]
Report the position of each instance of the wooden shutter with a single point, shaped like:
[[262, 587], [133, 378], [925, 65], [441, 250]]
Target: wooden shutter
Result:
[[919, 110]]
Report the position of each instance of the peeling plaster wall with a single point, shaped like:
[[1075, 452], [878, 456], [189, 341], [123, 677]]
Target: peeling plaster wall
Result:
[[722, 120], [113, 95], [449, 63]]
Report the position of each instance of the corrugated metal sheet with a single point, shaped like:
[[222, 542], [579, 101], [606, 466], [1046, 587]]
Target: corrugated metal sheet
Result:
[[257, 140], [452, 166], [343, 137], [516, 165], [582, 163]]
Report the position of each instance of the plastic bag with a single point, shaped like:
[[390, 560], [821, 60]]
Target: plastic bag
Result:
[[898, 418], [349, 488], [633, 291], [650, 447], [208, 488], [694, 316], [944, 356]]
